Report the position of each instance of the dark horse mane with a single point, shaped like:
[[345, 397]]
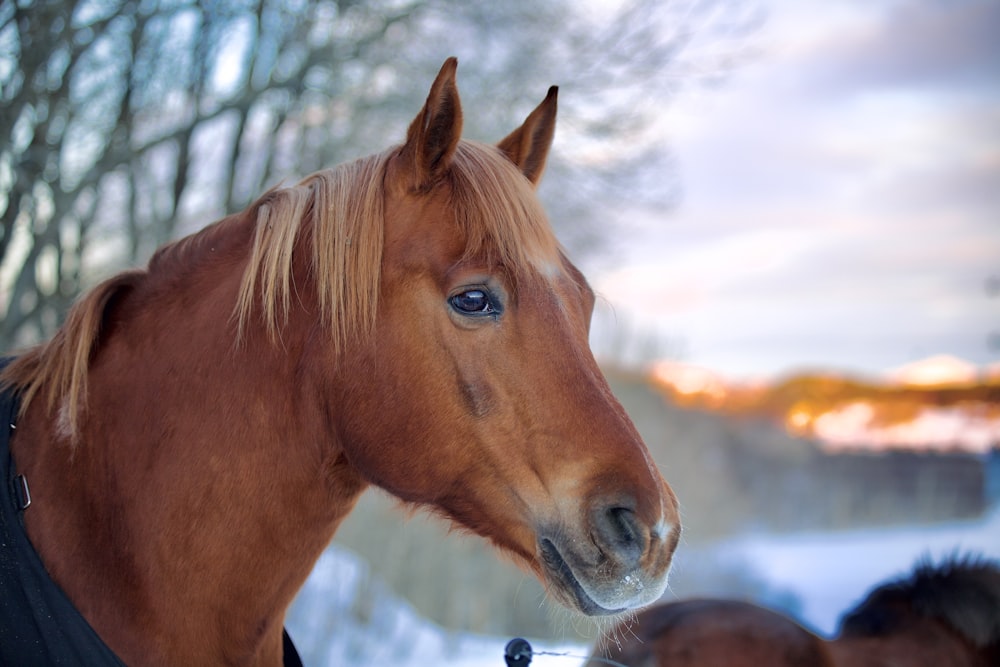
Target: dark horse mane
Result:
[[962, 592]]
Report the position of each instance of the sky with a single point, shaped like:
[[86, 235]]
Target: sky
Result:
[[840, 203]]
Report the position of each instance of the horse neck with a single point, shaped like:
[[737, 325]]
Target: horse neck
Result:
[[928, 645], [203, 484]]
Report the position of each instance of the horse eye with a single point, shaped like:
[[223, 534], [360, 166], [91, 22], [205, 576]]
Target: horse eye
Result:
[[473, 302]]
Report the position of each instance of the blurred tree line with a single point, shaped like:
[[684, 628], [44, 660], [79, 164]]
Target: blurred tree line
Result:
[[126, 123]]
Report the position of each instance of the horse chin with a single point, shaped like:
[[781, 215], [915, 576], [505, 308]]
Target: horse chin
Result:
[[619, 596]]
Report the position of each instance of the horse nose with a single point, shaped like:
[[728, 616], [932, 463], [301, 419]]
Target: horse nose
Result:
[[618, 533]]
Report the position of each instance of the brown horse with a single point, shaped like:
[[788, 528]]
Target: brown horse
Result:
[[947, 614], [196, 431]]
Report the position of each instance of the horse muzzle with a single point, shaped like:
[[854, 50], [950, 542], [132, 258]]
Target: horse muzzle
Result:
[[616, 563]]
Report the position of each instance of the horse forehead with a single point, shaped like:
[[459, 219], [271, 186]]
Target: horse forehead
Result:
[[425, 230], [551, 269], [555, 291], [422, 230]]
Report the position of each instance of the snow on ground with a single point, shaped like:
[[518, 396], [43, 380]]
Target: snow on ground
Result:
[[344, 617], [831, 572]]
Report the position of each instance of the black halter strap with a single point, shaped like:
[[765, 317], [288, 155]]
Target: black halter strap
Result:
[[17, 486]]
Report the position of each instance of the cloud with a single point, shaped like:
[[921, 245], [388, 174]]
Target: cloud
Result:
[[839, 196], [910, 44]]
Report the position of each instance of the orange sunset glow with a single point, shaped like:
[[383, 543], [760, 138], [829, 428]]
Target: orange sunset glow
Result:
[[939, 403]]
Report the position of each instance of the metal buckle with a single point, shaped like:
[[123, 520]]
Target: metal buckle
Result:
[[23, 492]]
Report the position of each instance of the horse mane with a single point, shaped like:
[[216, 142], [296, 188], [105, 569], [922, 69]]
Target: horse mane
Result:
[[495, 210], [344, 205], [61, 363], [962, 591]]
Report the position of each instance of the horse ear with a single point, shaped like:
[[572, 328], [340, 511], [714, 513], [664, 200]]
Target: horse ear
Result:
[[528, 146], [434, 133]]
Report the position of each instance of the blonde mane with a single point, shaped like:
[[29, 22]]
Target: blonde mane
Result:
[[345, 205], [499, 214], [495, 209]]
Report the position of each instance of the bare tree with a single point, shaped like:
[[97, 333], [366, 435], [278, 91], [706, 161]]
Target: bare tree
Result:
[[124, 123]]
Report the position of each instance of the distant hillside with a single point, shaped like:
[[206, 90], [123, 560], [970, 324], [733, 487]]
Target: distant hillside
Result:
[[853, 412], [822, 393], [737, 468]]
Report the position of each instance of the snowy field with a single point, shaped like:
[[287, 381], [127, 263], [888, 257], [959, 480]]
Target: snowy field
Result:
[[831, 572], [825, 573], [339, 620]]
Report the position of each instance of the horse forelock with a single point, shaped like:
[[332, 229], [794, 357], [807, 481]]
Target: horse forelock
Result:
[[962, 591], [500, 216], [495, 209]]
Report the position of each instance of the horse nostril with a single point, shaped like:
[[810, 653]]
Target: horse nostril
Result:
[[620, 533]]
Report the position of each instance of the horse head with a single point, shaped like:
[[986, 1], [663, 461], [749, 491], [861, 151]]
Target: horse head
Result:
[[479, 375]]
